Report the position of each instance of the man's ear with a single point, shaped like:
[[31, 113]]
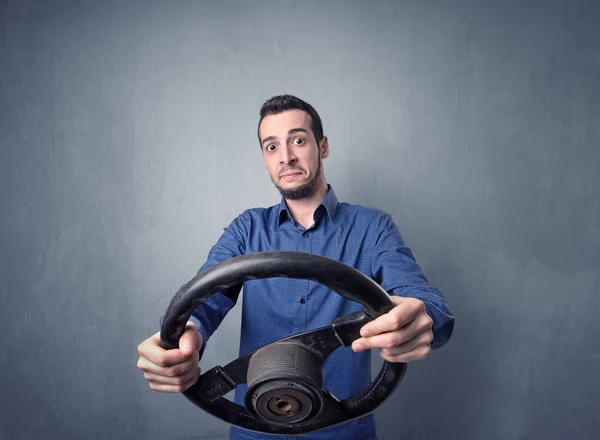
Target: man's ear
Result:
[[324, 150]]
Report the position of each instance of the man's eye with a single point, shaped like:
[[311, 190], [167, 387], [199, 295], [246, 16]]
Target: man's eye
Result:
[[271, 147], [298, 141]]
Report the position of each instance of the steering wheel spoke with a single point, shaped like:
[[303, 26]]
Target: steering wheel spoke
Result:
[[213, 384]]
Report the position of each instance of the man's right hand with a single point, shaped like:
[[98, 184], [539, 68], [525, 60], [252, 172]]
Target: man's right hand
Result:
[[171, 371]]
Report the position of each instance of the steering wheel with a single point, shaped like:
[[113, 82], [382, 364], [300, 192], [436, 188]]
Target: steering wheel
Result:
[[285, 394]]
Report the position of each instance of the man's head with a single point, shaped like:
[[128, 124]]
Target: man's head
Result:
[[290, 133]]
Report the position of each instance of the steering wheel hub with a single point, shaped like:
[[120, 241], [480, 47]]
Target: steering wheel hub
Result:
[[284, 382]]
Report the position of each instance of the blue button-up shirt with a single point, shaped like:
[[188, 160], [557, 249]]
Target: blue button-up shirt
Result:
[[364, 238]]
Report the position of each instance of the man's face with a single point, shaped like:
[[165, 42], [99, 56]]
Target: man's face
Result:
[[291, 153]]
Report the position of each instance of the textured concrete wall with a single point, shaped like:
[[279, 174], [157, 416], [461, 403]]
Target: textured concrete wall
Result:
[[127, 142]]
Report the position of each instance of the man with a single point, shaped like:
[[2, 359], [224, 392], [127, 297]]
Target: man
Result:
[[309, 219]]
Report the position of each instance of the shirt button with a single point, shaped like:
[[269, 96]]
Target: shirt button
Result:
[[302, 300]]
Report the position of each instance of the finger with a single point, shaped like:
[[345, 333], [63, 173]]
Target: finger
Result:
[[421, 340], [190, 340], [402, 314], [181, 379], [385, 323], [390, 339], [169, 370], [151, 350], [385, 340], [420, 352], [174, 388]]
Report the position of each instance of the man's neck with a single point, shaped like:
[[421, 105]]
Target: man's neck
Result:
[[303, 210]]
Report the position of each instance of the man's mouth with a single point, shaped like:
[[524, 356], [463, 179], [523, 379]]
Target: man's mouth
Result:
[[289, 175]]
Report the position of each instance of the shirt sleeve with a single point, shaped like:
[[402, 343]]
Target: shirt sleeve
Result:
[[209, 315], [395, 269]]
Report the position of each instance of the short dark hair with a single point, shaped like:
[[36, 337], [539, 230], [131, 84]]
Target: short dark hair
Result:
[[281, 103]]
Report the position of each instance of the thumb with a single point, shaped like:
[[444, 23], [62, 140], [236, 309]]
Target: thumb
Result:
[[190, 339]]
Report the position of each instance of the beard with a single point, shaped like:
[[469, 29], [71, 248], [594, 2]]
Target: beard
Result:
[[307, 189]]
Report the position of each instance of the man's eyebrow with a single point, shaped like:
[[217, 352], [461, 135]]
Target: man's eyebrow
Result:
[[297, 130], [268, 139], [292, 131]]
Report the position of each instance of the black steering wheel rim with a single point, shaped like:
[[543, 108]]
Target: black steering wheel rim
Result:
[[342, 279]]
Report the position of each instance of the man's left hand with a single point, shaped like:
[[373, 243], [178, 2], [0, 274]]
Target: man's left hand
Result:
[[404, 334]]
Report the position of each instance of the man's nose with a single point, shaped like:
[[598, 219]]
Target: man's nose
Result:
[[287, 155]]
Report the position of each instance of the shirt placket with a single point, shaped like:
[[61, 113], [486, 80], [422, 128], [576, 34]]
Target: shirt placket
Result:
[[301, 299]]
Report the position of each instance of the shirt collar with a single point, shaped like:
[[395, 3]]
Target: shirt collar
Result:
[[329, 203]]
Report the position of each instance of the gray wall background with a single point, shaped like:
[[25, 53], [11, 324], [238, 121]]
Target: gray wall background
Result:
[[128, 142]]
